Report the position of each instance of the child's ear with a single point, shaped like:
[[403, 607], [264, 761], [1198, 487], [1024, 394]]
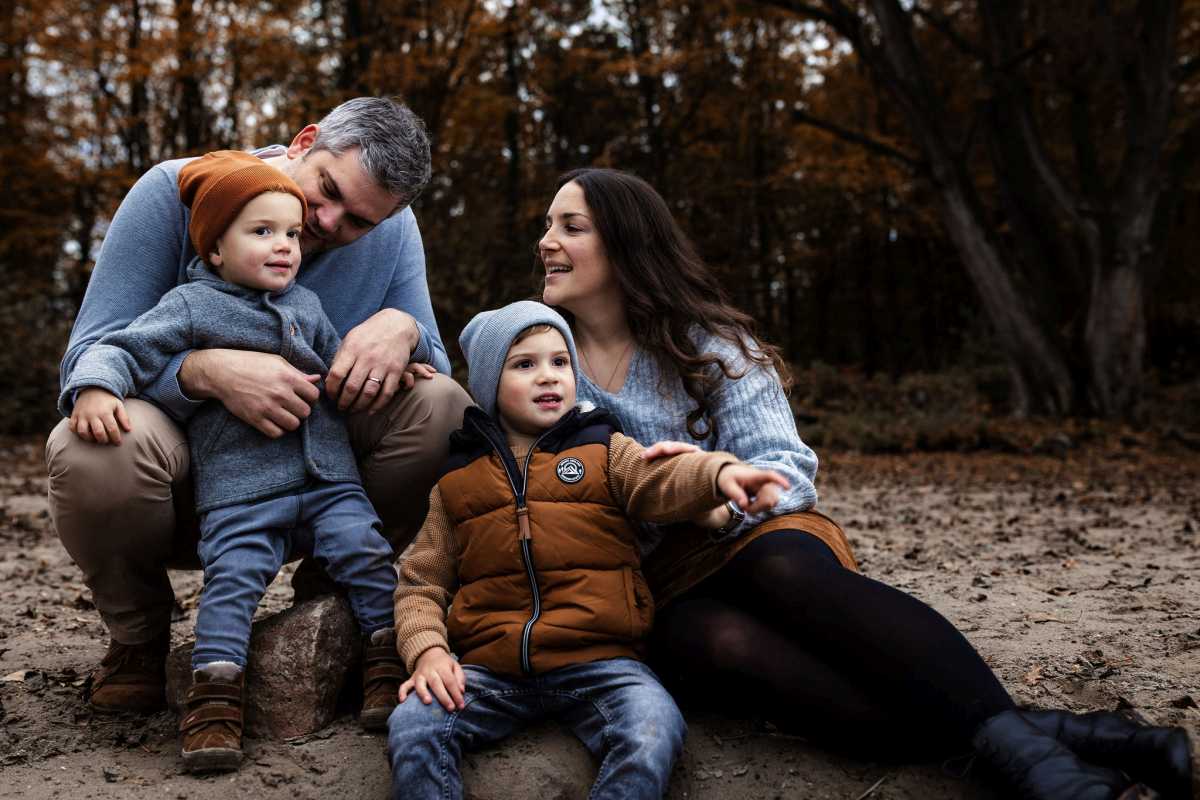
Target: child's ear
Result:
[[214, 257]]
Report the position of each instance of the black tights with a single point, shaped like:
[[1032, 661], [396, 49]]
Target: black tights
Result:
[[785, 632]]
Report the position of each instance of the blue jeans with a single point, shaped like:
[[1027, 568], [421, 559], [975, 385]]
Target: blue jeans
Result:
[[242, 548], [616, 707]]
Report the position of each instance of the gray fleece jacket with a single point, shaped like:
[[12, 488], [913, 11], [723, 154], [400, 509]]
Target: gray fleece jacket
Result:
[[232, 462]]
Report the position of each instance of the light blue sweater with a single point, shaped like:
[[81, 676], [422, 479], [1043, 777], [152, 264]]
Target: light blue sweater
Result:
[[755, 422], [146, 253]]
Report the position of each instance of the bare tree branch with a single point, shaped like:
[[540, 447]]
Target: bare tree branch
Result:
[[1011, 92], [803, 10], [944, 26], [1150, 94], [874, 145]]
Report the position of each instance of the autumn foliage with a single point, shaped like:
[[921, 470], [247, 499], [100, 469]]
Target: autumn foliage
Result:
[[778, 146]]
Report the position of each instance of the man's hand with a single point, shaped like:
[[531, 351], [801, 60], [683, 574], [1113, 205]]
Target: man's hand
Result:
[[261, 389], [437, 674], [369, 366], [753, 489], [99, 416]]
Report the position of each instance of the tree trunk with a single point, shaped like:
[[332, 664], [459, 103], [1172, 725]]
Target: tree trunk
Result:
[[191, 114], [1115, 341], [137, 138], [1042, 379]]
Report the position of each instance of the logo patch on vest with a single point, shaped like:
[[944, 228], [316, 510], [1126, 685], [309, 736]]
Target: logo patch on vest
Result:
[[569, 470]]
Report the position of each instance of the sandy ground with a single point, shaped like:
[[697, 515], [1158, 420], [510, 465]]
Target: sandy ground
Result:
[[1077, 578]]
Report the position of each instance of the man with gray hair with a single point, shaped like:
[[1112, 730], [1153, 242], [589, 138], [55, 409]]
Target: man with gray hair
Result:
[[126, 514]]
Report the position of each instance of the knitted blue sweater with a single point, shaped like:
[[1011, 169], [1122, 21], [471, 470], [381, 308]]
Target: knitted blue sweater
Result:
[[146, 252], [755, 422], [232, 462]]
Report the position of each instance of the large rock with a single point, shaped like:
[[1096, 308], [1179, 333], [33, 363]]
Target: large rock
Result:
[[299, 659]]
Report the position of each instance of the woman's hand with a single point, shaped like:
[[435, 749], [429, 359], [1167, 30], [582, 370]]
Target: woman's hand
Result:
[[667, 449], [437, 674], [754, 490], [99, 416]]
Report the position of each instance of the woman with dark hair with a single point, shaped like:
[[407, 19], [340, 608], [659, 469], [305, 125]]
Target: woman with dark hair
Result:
[[771, 608]]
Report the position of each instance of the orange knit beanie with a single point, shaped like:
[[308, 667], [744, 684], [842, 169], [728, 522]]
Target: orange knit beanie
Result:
[[218, 185]]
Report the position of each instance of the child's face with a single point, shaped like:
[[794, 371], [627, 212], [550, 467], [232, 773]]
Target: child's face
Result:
[[537, 385], [261, 248]]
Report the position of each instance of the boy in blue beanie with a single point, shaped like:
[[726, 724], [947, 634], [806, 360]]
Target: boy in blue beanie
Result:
[[529, 532], [260, 498]]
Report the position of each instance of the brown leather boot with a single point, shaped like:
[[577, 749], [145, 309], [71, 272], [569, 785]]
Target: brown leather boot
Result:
[[212, 724], [132, 677], [383, 672]]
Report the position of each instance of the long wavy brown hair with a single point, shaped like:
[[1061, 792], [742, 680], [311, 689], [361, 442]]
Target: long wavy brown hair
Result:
[[668, 289]]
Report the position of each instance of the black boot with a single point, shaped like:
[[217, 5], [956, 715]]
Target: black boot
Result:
[[1037, 767], [1158, 757]]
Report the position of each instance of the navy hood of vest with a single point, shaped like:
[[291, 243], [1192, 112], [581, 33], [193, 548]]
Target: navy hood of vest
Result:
[[480, 434]]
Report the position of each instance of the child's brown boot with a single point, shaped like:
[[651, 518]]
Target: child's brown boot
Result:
[[383, 672], [212, 724]]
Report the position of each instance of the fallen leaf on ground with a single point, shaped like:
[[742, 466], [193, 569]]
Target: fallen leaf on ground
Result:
[[1034, 675]]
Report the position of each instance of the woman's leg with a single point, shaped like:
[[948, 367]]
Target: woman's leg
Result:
[[716, 655], [841, 657]]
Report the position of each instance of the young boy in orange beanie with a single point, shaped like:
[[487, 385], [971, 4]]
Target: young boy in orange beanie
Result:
[[261, 499]]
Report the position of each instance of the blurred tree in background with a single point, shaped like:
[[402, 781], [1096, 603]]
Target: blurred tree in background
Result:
[[899, 187], [1051, 135]]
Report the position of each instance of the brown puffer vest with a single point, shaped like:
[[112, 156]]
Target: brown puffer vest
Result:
[[548, 565]]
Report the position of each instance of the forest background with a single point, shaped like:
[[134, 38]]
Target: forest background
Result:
[[947, 213]]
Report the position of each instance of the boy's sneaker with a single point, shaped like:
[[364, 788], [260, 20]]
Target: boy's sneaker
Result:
[[212, 723], [132, 677], [383, 672]]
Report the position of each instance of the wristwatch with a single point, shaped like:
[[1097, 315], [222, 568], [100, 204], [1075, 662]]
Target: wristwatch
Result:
[[726, 531]]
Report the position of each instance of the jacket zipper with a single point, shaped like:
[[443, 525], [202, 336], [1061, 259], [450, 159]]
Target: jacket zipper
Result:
[[527, 553], [526, 540]]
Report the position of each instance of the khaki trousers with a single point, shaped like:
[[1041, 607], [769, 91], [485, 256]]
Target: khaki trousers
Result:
[[126, 514]]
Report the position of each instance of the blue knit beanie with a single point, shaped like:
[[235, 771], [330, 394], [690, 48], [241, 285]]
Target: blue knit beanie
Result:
[[487, 337]]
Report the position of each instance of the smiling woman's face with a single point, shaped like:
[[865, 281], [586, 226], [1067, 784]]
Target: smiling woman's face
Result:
[[572, 253]]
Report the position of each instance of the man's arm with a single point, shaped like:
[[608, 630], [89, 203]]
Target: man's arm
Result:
[[409, 292], [138, 263], [369, 368]]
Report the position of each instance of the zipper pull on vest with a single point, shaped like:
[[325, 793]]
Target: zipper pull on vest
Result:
[[523, 522]]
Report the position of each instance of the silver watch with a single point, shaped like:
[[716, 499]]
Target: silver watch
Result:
[[726, 531]]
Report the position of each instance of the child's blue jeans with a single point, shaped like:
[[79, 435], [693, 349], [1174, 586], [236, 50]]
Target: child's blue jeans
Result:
[[242, 548], [616, 707]]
